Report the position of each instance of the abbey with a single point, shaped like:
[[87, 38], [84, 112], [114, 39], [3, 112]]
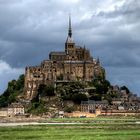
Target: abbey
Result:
[[73, 64]]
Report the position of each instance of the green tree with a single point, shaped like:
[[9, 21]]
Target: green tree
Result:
[[125, 88], [3, 101], [15, 88], [68, 109], [60, 77], [46, 90], [77, 98], [38, 108], [20, 82]]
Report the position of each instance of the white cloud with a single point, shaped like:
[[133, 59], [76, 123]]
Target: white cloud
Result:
[[6, 69], [7, 73]]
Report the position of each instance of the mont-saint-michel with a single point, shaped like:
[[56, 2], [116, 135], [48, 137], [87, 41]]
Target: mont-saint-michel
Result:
[[69, 76], [70, 84], [67, 95], [73, 64]]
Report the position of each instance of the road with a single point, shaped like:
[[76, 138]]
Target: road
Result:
[[32, 123]]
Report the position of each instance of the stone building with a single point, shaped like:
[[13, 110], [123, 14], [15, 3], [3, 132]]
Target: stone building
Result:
[[15, 109], [73, 64], [91, 105]]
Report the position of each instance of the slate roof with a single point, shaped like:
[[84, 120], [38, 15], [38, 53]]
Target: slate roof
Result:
[[94, 102], [15, 105], [58, 53]]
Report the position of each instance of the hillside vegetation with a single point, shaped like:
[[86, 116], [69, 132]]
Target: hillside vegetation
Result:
[[14, 89], [54, 97]]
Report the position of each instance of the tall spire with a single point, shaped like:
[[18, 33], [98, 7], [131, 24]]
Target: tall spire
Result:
[[70, 29], [98, 60]]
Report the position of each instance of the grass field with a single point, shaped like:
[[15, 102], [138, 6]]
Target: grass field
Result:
[[111, 129]]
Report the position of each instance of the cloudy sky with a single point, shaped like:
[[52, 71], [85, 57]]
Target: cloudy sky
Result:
[[30, 29]]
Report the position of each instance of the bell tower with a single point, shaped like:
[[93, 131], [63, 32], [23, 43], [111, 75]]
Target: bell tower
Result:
[[70, 45]]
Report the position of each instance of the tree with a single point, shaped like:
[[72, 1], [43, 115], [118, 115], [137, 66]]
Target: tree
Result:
[[68, 109], [50, 90], [67, 91], [46, 90], [15, 88], [3, 101], [96, 97], [125, 88], [60, 77], [20, 82], [77, 98], [38, 108], [101, 85]]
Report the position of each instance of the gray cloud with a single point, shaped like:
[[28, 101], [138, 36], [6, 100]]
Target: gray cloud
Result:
[[7, 73], [125, 76], [30, 29]]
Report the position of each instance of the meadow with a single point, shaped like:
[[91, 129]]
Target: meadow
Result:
[[90, 129]]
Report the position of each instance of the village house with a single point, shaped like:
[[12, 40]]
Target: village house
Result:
[[15, 109], [91, 105]]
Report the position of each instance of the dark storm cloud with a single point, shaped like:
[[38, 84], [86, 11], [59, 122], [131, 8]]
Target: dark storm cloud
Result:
[[25, 53], [122, 75], [130, 11], [30, 29], [117, 35]]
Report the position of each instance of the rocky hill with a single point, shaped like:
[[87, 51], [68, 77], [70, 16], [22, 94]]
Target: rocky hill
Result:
[[62, 96]]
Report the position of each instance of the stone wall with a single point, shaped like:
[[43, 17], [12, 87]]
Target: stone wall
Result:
[[80, 114]]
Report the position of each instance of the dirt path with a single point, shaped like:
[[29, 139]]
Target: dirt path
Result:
[[32, 123]]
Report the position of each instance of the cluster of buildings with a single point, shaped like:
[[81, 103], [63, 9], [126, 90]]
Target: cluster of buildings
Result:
[[123, 103]]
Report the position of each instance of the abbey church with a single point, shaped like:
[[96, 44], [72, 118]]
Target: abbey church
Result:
[[73, 64]]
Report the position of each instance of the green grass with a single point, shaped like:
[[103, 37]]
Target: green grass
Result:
[[87, 131], [101, 119]]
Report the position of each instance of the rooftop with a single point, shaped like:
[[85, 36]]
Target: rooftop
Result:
[[15, 105], [57, 53], [94, 102]]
